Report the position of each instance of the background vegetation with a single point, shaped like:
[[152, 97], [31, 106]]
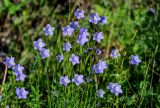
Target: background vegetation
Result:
[[133, 28]]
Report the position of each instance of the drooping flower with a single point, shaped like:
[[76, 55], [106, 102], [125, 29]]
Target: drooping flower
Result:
[[88, 79], [74, 59], [9, 62], [100, 66], [103, 20], [74, 25], [67, 30], [151, 11], [59, 57], [18, 69], [67, 46], [78, 79], [21, 93], [64, 80], [98, 51], [100, 93], [115, 88], [79, 13], [94, 18], [48, 30], [44, 53], [135, 60], [39, 44], [98, 36], [115, 53]]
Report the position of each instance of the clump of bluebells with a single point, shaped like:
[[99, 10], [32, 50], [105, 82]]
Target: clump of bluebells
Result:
[[82, 39], [75, 58], [39, 45], [20, 76]]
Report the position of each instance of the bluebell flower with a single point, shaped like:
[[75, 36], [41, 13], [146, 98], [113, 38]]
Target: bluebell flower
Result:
[[74, 25], [88, 79], [100, 93], [78, 79], [74, 59], [9, 62], [98, 51], [135, 60], [115, 88], [59, 57], [48, 30], [79, 13], [21, 93], [20, 76], [103, 20], [94, 18], [115, 53], [39, 44], [98, 36], [67, 46], [64, 80], [18, 69], [67, 30], [44, 53], [82, 39], [84, 32], [100, 66], [152, 10]]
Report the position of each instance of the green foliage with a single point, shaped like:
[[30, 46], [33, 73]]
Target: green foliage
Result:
[[130, 29]]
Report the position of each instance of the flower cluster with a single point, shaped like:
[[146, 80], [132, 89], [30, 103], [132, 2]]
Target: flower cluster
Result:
[[82, 38], [78, 79], [20, 76], [75, 59], [113, 87], [18, 71], [39, 45], [94, 18]]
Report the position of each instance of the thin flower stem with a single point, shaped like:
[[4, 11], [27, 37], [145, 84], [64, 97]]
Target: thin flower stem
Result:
[[70, 14], [128, 48], [4, 77]]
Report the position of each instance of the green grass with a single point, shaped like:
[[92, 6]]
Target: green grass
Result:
[[131, 29]]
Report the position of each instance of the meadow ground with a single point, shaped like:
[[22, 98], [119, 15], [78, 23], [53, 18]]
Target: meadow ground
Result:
[[123, 73]]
